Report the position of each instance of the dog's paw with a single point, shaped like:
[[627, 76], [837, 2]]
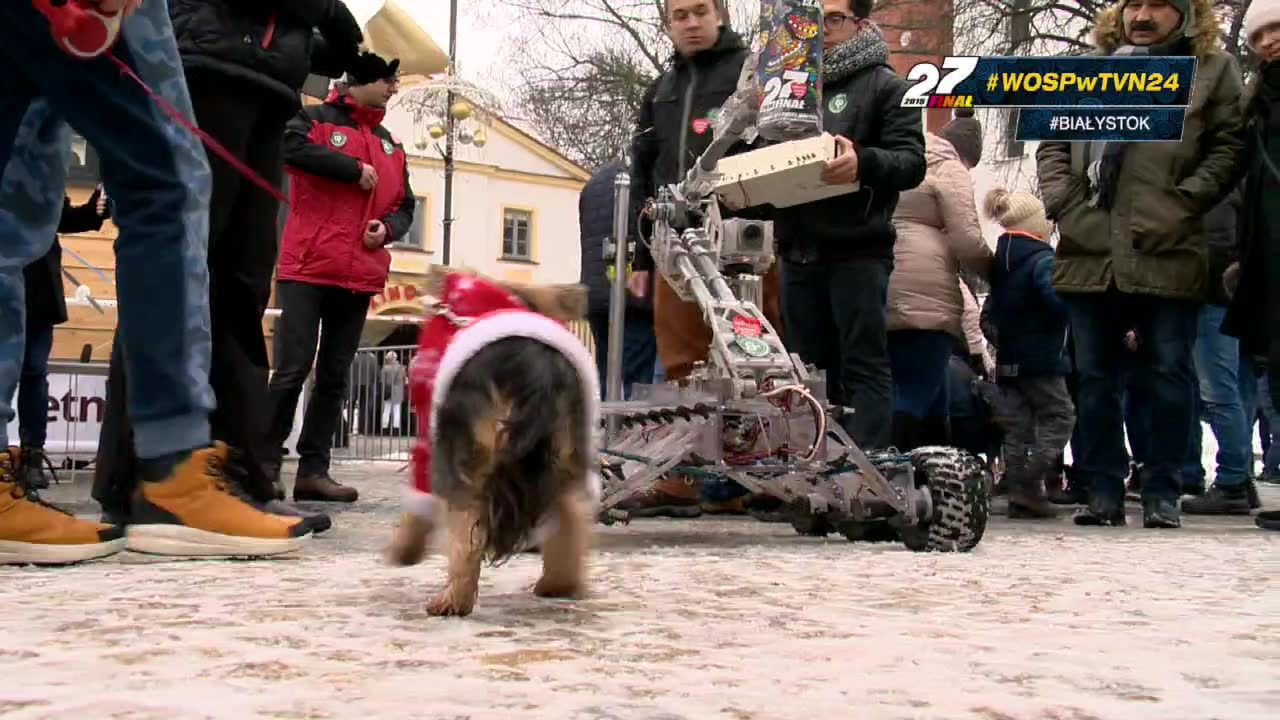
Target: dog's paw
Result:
[[555, 588], [448, 604], [409, 545], [403, 555]]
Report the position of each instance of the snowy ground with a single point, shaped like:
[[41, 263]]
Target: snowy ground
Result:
[[721, 618]]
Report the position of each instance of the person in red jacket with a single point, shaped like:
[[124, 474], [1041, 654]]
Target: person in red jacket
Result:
[[350, 198]]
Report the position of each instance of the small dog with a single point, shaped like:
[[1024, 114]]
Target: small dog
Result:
[[507, 399]]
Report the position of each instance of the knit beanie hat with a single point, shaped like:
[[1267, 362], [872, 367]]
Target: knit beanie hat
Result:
[[1018, 211], [964, 132], [1259, 15], [369, 68]]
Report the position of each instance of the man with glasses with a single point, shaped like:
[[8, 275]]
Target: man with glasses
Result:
[[349, 178], [675, 127], [837, 253]]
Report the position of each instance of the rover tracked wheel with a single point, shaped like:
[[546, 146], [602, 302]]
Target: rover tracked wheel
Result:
[[961, 495], [875, 531], [806, 523]]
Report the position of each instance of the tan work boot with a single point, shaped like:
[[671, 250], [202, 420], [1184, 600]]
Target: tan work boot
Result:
[[194, 513], [33, 532], [673, 496]]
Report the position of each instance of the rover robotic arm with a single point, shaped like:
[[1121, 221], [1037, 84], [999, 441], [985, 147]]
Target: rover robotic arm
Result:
[[754, 413]]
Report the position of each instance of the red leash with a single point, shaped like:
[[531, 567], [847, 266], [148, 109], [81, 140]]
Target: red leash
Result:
[[84, 33]]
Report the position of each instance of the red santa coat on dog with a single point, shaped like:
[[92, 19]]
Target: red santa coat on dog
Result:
[[471, 314]]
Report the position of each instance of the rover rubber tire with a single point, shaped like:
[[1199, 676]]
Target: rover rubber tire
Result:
[[876, 531], [806, 523], [961, 494]]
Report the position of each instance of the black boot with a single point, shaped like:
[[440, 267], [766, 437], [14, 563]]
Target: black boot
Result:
[[1161, 513], [34, 463], [935, 431], [1255, 502], [1105, 508], [1075, 492], [1220, 500], [1133, 486], [907, 432], [1027, 498], [272, 465], [1268, 520]]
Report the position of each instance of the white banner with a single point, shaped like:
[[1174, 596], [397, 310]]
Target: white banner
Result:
[[74, 409]]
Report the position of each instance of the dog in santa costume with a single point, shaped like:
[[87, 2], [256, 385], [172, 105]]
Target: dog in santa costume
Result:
[[508, 405]]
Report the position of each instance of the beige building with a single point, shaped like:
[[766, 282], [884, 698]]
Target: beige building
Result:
[[516, 218]]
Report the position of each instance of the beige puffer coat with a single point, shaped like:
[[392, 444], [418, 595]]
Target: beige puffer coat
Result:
[[938, 232]]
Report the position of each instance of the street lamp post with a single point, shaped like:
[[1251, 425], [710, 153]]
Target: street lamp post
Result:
[[450, 130], [451, 109]]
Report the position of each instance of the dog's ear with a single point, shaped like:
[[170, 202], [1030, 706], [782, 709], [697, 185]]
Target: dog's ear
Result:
[[434, 285], [564, 303]]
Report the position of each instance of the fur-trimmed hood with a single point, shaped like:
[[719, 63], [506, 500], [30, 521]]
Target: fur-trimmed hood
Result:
[[1108, 30]]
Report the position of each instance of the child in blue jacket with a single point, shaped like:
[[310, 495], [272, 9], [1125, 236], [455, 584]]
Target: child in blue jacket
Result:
[[1029, 322]]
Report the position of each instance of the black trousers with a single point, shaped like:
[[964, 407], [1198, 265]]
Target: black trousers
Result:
[[243, 245], [303, 309], [836, 319]]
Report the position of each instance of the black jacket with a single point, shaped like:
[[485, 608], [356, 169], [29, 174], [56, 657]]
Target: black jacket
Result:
[[595, 224], [1223, 243], [1029, 319], [889, 141], [1254, 313], [667, 141], [274, 44], [46, 297]]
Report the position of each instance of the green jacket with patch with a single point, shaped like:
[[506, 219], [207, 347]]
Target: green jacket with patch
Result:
[[1152, 240]]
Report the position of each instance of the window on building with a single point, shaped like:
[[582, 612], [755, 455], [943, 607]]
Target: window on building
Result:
[[516, 228], [416, 238]]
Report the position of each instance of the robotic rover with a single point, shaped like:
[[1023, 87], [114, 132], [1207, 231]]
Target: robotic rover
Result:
[[755, 413]]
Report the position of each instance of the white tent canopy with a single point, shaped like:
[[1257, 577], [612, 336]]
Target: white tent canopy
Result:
[[393, 33]]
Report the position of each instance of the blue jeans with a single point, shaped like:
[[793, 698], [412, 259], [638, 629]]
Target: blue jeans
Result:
[[158, 176], [1162, 365], [639, 351], [1254, 392], [33, 388], [918, 359], [1217, 362], [1136, 400]]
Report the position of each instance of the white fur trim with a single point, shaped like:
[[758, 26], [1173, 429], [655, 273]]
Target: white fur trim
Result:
[[520, 323], [1259, 15], [421, 504]]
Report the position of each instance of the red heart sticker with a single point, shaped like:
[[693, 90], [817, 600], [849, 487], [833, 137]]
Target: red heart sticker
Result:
[[747, 326], [700, 125], [798, 90]]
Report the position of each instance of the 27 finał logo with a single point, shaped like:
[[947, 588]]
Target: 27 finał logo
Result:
[[933, 89]]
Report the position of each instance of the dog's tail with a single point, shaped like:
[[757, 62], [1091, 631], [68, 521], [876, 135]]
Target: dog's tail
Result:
[[518, 406]]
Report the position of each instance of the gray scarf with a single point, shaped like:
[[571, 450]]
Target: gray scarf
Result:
[[1105, 158], [863, 50]]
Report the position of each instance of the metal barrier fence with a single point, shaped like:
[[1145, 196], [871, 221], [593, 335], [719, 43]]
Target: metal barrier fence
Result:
[[377, 419], [76, 404]]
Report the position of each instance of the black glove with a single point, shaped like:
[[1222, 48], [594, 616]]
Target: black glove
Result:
[[343, 36]]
